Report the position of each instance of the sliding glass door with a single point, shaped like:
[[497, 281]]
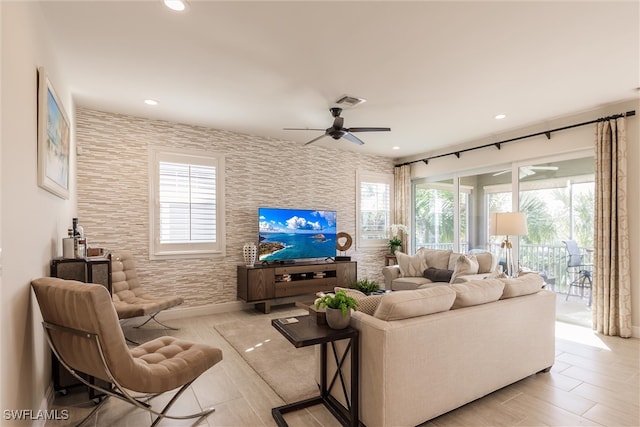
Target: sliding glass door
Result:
[[557, 197]]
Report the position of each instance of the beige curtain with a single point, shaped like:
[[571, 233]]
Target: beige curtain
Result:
[[612, 283], [402, 200]]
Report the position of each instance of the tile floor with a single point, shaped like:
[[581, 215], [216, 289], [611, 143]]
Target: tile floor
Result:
[[595, 381]]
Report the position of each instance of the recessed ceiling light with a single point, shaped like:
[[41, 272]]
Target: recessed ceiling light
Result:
[[395, 147], [500, 116], [151, 102], [177, 5]]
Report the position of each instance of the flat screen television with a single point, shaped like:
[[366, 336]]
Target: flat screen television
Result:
[[296, 234]]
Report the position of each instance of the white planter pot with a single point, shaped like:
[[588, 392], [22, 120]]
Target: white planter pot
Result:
[[335, 319]]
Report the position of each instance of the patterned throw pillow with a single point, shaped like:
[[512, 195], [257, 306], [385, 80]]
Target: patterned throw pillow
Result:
[[367, 304]]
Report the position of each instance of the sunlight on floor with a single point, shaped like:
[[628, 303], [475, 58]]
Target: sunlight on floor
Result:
[[580, 335], [256, 346]]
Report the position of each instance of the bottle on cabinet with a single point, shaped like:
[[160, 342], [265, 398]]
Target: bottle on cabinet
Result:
[[76, 233]]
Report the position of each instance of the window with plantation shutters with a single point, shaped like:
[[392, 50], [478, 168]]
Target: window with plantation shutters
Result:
[[186, 204], [374, 198]]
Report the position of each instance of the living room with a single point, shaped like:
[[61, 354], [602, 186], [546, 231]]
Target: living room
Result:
[[109, 191]]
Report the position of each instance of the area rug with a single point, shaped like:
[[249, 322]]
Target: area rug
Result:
[[289, 371]]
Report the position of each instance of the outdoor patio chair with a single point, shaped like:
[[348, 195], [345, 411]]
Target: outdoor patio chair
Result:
[[82, 329], [579, 271]]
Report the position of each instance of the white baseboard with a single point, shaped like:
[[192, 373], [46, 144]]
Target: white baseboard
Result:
[[226, 307], [45, 404], [202, 310], [635, 331]]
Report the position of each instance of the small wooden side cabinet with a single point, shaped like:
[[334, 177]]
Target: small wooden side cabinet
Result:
[[88, 270]]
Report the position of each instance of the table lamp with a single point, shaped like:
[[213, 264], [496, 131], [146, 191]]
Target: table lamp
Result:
[[509, 224]]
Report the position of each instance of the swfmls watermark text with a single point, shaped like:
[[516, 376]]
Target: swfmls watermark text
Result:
[[31, 415]]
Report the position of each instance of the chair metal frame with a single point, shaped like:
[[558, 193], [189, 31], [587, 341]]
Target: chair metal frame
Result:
[[120, 392], [576, 266]]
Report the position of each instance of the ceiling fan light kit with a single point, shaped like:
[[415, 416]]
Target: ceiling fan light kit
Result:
[[337, 130]]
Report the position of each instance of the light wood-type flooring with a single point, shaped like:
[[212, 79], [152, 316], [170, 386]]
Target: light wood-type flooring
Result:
[[595, 381]]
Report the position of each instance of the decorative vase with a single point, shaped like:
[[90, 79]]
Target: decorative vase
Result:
[[335, 319], [250, 253], [394, 248]]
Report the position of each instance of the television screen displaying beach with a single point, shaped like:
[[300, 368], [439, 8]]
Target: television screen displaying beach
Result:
[[288, 234]]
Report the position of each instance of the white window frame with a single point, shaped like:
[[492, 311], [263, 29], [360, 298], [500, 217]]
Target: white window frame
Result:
[[380, 178], [159, 250]]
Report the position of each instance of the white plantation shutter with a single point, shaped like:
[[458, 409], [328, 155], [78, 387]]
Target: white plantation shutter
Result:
[[374, 209], [375, 193], [187, 214], [187, 203]]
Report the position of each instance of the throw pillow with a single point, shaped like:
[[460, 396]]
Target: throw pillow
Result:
[[466, 264], [367, 304], [354, 293], [522, 285], [419, 302], [438, 274], [477, 292], [411, 266], [486, 262], [437, 258]]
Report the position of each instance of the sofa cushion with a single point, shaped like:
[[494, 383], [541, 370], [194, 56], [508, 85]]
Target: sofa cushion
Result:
[[408, 283], [411, 266], [367, 304], [438, 258], [465, 265], [486, 262], [524, 284], [477, 292], [438, 274], [419, 302]]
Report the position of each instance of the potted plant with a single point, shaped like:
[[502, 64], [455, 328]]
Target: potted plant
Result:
[[366, 286], [395, 232], [337, 308]]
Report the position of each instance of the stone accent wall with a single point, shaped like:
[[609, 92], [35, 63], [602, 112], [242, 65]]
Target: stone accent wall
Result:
[[113, 194]]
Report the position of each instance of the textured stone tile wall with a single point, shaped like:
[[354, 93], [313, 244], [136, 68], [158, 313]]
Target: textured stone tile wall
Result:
[[113, 194]]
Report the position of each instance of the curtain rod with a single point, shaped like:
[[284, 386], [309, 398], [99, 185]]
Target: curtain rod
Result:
[[498, 144]]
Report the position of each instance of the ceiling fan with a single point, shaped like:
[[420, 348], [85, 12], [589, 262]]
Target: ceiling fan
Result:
[[526, 171], [337, 131]]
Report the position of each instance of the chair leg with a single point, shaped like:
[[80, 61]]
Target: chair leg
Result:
[[93, 411], [153, 317]]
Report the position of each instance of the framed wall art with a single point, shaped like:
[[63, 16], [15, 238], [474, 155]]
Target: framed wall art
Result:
[[54, 140]]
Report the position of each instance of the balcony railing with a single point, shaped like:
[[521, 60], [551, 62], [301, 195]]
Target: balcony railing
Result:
[[550, 260]]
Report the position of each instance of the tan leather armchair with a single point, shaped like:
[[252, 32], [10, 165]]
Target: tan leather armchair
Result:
[[83, 331], [129, 298]]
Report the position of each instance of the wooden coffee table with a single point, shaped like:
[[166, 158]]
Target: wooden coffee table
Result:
[[305, 332]]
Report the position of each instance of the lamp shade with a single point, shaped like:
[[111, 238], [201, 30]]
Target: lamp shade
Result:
[[509, 224]]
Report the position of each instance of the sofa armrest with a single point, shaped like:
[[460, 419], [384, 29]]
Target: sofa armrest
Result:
[[390, 273]]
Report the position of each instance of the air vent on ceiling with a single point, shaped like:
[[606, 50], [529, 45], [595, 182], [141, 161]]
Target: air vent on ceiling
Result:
[[350, 101]]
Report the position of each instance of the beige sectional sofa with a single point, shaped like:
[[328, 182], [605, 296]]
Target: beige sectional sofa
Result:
[[408, 273], [427, 351]]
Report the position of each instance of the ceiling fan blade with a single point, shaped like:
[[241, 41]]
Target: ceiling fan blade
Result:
[[360, 129], [316, 139], [353, 138], [301, 129]]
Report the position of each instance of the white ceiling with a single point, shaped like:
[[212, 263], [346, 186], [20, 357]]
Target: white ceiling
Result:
[[436, 73]]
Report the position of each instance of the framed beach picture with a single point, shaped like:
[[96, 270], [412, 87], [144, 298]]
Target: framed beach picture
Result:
[[54, 140]]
